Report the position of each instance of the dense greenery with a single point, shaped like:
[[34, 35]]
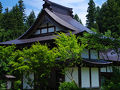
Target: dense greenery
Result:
[[14, 22], [114, 82], [68, 86], [76, 17], [38, 59], [91, 14], [104, 18]]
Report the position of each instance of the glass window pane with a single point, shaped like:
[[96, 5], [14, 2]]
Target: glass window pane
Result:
[[51, 29], [37, 32], [85, 54], [44, 30], [94, 54], [58, 29]]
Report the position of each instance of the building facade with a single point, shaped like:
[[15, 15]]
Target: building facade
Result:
[[56, 18]]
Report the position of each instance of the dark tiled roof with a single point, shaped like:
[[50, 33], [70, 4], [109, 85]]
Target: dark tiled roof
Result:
[[32, 40], [60, 14], [110, 55], [57, 8]]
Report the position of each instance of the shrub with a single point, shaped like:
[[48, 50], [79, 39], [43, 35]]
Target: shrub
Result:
[[68, 86]]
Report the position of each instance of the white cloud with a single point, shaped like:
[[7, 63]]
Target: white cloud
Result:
[[79, 6]]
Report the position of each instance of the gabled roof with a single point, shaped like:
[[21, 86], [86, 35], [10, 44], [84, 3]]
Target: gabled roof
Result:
[[60, 14]]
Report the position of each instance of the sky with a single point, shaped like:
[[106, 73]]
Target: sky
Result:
[[79, 6]]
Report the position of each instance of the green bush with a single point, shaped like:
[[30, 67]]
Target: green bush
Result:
[[70, 86], [114, 82], [17, 84]]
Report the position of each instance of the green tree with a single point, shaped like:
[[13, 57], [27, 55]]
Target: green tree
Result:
[[22, 9], [1, 7], [5, 53], [76, 17], [5, 20], [31, 19], [38, 59], [109, 17], [69, 51], [91, 14]]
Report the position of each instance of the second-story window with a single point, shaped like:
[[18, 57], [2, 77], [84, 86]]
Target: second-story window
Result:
[[93, 54]]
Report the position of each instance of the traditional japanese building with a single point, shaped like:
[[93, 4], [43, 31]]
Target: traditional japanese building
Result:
[[57, 18]]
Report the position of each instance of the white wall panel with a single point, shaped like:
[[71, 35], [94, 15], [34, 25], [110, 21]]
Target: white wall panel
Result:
[[26, 80], [74, 72], [95, 77], [85, 77], [9, 84]]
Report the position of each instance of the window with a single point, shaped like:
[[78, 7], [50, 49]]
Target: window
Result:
[[58, 29], [51, 29], [37, 32], [44, 30], [85, 54], [93, 54]]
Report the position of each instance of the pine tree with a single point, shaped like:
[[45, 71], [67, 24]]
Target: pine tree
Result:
[[31, 19], [1, 7], [91, 14], [76, 17], [110, 16], [5, 20], [22, 9], [1, 15]]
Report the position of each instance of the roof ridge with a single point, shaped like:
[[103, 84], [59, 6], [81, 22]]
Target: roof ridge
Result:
[[49, 2]]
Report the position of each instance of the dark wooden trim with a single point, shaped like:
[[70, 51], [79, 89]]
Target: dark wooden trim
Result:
[[106, 68], [79, 77], [47, 27], [89, 54], [90, 77], [55, 29]]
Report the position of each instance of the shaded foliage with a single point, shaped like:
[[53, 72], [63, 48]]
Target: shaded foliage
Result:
[[76, 17]]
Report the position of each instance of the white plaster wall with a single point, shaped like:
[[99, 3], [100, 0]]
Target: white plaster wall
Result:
[[85, 54], [9, 83], [95, 77], [74, 72], [37, 32], [94, 54], [103, 69], [25, 81], [85, 78]]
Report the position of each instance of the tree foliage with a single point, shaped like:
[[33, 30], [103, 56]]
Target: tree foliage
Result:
[[38, 59], [91, 14], [31, 19], [5, 53], [76, 17], [1, 7], [69, 49]]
